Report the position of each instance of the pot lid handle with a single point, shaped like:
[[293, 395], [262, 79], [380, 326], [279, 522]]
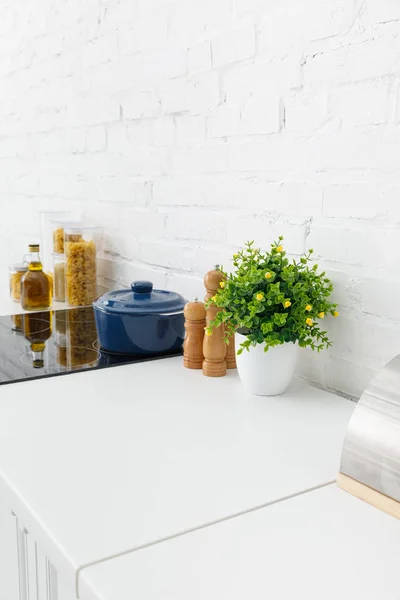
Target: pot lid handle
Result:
[[142, 287]]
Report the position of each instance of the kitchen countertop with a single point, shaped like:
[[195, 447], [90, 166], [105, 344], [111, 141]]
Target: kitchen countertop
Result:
[[324, 544], [102, 463]]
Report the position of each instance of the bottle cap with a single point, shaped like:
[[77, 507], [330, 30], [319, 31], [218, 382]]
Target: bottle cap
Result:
[[33, 247]]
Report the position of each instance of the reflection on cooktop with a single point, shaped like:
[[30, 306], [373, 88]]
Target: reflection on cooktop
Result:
[[44, 344]]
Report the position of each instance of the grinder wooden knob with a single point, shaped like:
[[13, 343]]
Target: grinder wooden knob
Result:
[[195, 321], [214, 347]]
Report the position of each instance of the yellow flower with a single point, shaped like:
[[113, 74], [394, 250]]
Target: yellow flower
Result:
[[336, 314], [214, 298], [235, 255], [222, 284], [279, 249], [207, 331], [308, 307], [287, 304], [268, 275], [321, 315], [260, 296], [309, 322]]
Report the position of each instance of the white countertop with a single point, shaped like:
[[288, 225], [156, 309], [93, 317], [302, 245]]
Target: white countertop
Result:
[[322, 545], [100, 463]]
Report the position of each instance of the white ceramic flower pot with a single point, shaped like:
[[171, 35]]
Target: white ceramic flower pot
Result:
[[266, 373]]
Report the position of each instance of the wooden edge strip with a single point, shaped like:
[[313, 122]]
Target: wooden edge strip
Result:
[[367, 494]]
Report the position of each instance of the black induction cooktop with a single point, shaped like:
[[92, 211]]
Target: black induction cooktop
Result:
[[45, 344]]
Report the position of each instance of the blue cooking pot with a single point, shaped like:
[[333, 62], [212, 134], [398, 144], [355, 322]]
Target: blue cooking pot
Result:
[[141, 320]]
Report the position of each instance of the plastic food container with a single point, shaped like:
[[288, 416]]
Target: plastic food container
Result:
[[81, 246], [59, 277], [47, 219], [16, 272], [140, 320]]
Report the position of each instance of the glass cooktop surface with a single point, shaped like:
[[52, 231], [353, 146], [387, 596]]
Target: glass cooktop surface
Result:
[[45, 344]]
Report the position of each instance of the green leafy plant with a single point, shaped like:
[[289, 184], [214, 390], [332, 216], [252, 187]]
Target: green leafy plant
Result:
[[273, 300]]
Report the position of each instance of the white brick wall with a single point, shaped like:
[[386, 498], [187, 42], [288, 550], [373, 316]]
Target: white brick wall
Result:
[[186, 127]]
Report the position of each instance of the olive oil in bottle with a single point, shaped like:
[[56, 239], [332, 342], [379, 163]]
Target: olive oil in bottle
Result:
[[35, 284], [37, 329]]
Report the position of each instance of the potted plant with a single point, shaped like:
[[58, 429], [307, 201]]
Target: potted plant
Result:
[[273, 306]]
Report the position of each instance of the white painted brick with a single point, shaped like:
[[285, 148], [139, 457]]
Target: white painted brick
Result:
[[305, 110], [176, 192], [148, 223], [363, 104], [166, 254], [373, 57], [264, 229], [166, 63], [100, 50], [205, 159], [379, 297], [205, 257], [93, 110], [144, 35], [196, 224], [140, 104], [262, 116], [225, 123], [360, 201], [360, 338], [233, 46], [143, 193], [243, 6], [190, 129], [232, 192], [164, 132], [96, 139], [272, 153], [262, 78], [320, 20], [299, 199], [382, 11], [174, 96], [199, 57], [188, 286], [203, 94], [367, 246], [312, 366], [348, 377], [77, 140]]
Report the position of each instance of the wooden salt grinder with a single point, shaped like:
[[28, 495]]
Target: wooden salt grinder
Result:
[[195, 321], [214, 347]]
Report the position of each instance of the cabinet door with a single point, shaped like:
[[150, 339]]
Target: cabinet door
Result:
[[8, 551]]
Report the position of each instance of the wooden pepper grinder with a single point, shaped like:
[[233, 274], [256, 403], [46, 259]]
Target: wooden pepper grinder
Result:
[[195, 321], [231, 354], [214, 347]]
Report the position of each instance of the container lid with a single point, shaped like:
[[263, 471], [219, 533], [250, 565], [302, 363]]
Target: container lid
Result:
[[19, 267], [141, 299], [79, 226], [66, 222]]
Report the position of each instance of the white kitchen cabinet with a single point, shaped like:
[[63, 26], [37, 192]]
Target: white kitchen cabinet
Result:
[[115, 459], [324, 544], [8, 550], [25, 572]]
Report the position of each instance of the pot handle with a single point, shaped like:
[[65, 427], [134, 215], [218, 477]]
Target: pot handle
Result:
[[142, 287]]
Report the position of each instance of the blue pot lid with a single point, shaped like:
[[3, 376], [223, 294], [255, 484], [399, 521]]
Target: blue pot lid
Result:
[[141, 299]]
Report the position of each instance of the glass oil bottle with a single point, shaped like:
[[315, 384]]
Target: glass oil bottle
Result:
[[37, 329], [35, 284]]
